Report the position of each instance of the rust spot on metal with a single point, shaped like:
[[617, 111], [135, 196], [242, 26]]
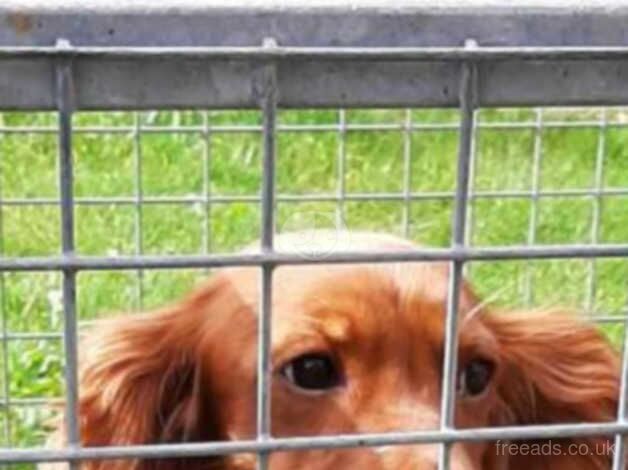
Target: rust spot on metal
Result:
[[20, 22]]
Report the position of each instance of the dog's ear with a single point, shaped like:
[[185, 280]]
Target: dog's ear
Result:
[[556, 368], [142, 380]]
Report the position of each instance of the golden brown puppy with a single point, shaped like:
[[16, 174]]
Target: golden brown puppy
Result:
[[356, 348]]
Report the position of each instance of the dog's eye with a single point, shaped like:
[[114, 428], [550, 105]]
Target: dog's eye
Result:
[[312, 372], [475, 377]]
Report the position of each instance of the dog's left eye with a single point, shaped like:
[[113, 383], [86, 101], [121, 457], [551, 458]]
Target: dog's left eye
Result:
[[475, 377], [312, 372]]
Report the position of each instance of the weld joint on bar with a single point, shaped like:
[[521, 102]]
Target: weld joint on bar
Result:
[[63, 66], [265, 87]]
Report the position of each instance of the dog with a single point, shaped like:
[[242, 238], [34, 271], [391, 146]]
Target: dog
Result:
[[356, 348]]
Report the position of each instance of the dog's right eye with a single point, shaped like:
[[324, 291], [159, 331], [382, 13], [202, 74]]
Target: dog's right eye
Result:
[[312, 372], [475, 377]]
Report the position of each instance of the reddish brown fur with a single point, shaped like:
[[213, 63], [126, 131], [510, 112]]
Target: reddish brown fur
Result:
[[187, 373]]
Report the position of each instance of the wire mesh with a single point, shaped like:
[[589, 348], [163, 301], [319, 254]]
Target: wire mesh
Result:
[[347, 190]]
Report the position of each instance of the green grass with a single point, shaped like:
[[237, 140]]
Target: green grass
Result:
[[307, 163]]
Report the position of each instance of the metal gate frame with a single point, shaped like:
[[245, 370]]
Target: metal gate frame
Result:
[[69, 56]]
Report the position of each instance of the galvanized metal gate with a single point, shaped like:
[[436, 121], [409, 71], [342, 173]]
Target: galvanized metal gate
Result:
[[71, 56]]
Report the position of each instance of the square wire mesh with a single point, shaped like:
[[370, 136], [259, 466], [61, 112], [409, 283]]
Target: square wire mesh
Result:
[[463, 203]]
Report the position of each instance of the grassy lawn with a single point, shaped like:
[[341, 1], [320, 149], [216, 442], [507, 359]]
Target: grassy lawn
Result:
[[227, 166]]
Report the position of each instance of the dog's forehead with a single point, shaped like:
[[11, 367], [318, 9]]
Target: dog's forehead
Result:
[[422, 281], [311, 289], [427, 280]]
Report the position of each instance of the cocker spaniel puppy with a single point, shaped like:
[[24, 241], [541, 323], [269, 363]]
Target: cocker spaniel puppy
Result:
[[356, 348]]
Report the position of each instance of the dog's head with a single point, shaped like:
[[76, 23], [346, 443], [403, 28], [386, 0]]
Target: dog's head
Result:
[[355, 349]]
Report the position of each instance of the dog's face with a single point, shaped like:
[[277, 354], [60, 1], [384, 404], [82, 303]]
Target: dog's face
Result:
[[355, 349]]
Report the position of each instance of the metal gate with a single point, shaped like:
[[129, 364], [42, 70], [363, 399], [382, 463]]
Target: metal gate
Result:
[[79, 56]]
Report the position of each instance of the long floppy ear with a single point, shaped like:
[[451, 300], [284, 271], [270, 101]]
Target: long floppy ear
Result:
[[142, 381], [556, 368]]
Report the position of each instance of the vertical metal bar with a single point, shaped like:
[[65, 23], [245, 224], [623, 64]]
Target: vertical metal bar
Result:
[[597, 209], [4, 318], [619, 457], [342, 168], [470, 227], [139, 195], [65, 96], [407, 171], [269, 109], [534, 209], [468, 97]]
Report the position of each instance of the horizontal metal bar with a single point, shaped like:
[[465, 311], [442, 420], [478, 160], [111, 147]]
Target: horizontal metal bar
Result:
[[107, 263], [35, 336], [327, 61], [302, 443], [321, 22], [185, 83], [295, 198], [235, 6], [35, 402], [279, 53], [349, 127], [607, 318]]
